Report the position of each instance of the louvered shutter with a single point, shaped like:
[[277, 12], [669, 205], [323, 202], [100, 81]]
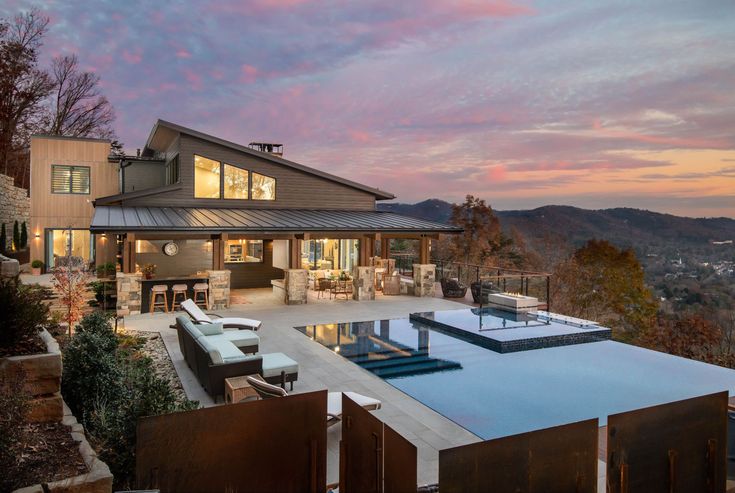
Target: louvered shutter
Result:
[[79, 179], [60, 179]]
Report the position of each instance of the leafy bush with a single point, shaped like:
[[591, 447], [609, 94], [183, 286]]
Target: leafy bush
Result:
[[24, 314], [14, 402], [37, 264], [106, 269], [108, 384]]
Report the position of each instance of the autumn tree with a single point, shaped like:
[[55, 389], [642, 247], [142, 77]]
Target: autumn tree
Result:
[[23, 86], [603, 283], [688, 335], [78, 109], [482, 242]]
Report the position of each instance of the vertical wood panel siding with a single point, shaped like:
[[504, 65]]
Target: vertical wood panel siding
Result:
[[50, 210], [294, 189]]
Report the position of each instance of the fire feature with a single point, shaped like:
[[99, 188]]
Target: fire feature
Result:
[[513, 302]]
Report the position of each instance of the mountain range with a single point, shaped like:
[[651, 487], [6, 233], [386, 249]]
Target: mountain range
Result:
[[623, 226]]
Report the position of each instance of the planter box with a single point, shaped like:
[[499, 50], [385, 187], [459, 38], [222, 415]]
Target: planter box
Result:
[[42, 380], [97, 480]]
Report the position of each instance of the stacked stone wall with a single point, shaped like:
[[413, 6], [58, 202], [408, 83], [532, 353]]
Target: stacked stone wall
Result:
[[15, 205]]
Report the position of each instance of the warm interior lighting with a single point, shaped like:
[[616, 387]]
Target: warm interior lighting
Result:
[[38, 235]]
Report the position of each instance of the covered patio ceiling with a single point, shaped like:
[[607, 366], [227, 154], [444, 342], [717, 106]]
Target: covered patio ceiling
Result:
[[110, 219]]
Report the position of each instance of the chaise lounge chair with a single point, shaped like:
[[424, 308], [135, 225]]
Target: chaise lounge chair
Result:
[[200, 317], [334, 399]]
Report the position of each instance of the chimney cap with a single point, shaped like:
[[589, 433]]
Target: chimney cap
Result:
[[268, 147]]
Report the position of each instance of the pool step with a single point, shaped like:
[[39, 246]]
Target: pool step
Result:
[[407, 365]]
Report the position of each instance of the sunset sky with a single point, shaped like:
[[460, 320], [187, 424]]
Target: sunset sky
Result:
[[589, 103]]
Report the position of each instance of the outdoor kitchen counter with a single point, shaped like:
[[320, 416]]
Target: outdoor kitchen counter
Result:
[[147, 284]]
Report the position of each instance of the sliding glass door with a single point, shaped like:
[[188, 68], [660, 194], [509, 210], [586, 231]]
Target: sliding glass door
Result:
[[63, 242]]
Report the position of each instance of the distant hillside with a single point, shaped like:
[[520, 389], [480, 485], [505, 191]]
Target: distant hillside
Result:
[[623, 226]]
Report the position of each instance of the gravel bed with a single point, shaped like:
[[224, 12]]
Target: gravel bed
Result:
[[155, 349]]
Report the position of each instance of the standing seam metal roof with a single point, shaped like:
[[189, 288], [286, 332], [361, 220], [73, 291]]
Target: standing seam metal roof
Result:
[[120, 218]]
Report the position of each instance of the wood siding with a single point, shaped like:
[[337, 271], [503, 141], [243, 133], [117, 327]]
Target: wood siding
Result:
[[255, 275], [50, 210], [294, 189]]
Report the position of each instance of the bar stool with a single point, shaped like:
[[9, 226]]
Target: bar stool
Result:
[[156, 291], [201, 288], [178, 289]]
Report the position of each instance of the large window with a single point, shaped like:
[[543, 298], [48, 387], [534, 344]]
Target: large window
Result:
[[329, 254], [69, 179], [236, 182], [206, 178], [263, 188], [243, 251], [63, 242]]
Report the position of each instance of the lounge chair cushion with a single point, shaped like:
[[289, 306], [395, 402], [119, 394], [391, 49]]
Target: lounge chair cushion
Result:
[[212, 329], [240, 338], [275, 363], [334, 402]]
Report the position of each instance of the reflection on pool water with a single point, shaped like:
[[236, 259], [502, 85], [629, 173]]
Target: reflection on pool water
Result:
[[494, 395]]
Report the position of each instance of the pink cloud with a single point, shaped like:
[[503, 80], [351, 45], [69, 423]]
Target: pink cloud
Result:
[[132, 58], [183, 53], [248, 73], [496, 173]]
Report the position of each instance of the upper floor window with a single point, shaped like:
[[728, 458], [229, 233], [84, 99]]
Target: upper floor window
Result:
[[172, 171], [206, 178], [263, 187], [69, 179], [236, 182]]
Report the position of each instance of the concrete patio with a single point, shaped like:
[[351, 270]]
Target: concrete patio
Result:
[[320, 368]]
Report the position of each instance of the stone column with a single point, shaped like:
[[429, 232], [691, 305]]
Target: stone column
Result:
[[129, 293], [363, 282], [295, 284], [423, 279], [219, 289], [390, 265]]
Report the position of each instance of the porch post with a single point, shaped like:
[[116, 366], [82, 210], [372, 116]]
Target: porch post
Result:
[[128, 266], [218, 251], [424, 250], [294, 256], [384, 247]]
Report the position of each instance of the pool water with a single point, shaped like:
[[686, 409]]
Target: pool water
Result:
[[494, 395]]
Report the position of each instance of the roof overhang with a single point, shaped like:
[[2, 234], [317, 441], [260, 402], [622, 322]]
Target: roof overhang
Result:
[[163, 134], [120, 219]]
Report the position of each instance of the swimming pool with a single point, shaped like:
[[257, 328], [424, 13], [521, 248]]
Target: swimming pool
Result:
[[494, 395]]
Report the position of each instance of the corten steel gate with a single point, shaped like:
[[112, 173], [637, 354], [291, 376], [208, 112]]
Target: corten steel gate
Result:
[[374, 458], [262, 446], [562, 459], [678, 447]]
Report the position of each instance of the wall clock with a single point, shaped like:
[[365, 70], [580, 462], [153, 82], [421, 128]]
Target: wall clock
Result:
[[170, 248]]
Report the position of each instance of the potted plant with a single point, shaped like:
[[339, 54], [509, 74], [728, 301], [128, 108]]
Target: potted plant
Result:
[[36, 267], [148, 270]]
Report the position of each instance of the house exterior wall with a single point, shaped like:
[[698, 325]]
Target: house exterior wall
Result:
[[59, 211], [294, 189], [141, 176]]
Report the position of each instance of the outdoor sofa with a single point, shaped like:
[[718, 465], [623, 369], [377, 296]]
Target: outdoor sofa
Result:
[[199, 316], [214, 354]]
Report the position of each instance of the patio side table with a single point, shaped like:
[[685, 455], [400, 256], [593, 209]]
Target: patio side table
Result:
[[237, 389]]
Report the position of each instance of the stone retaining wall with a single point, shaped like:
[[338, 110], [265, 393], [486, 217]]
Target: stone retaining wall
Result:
[[42, 375], [14, 206]]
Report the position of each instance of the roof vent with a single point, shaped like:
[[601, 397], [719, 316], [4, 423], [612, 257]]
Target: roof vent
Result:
[[269, 147]]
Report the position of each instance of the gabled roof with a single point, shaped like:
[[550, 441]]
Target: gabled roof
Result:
[[164, 126], [196, 219]]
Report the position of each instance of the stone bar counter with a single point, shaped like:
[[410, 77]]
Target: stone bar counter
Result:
[[133, 290]]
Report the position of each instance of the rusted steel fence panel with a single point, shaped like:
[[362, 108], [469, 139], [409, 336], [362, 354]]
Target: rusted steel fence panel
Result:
[[361, 450], [678, 447], [562, 459], [261, 446], [400, 474]]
